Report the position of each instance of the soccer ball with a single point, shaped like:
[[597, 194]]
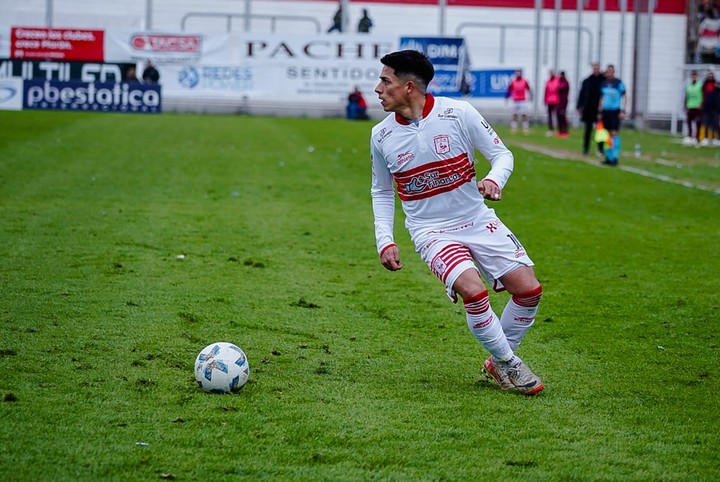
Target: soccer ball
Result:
[[222, 368]]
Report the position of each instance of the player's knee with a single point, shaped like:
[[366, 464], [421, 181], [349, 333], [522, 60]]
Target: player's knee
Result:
[[474, 298], [530, 298]]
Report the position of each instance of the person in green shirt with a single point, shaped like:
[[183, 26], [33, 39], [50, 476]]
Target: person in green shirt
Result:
[[693, 113]]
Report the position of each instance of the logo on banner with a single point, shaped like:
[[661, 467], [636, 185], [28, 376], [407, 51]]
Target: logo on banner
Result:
[[10, 94], [189, 77], [167, 43], [442, 144], [216, 78], [7, 93], [90, 96]]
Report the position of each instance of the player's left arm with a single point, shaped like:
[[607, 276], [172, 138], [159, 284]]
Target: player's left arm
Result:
[[488, 143]]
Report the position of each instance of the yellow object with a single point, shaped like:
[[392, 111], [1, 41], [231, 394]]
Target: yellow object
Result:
[[602, 134]]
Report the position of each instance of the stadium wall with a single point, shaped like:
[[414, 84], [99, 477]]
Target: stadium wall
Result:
[[604, 36]]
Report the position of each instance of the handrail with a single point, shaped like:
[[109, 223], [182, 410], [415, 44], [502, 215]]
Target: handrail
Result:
[[273, 19], [504, 26]]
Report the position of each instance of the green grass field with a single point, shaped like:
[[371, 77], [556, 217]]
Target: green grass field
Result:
[[357, 373]]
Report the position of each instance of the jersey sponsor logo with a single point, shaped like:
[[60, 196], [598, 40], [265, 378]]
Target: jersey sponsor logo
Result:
[[496, 140], [442, 144], [488, 128], [434, 178], [447, 114], [404, 157], [519, 250], [384, 134], [493, 225]]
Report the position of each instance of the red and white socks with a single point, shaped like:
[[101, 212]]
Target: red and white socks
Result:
[[519, 315], [485, 326]]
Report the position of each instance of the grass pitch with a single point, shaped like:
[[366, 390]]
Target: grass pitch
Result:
[[356, 373]]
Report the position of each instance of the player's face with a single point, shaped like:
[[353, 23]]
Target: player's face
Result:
[[391, 91]]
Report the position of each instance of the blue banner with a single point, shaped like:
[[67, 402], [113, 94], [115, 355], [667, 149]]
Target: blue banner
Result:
[[490, 83], [92, 96], [450, 58]]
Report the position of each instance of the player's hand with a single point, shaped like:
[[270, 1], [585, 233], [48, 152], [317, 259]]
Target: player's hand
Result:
[[490, 190], [390, 258]]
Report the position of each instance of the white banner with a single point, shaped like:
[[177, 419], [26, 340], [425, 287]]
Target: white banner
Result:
[[160, 48], [266, 67]]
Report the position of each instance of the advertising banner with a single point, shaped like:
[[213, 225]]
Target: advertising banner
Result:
[[11, 91], [490, 83], [282, 67], [162, 48], [92, 97], [50, 70], [450, 58], [56, 44]]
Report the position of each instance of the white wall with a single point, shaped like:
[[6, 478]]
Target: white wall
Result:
[[666, 57]]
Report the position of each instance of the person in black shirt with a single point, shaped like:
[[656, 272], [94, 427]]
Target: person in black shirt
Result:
[[587, 105]]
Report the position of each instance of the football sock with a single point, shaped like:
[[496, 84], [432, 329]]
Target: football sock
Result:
[[514, 125], [519, 315], [485, 326], [616, 147], [526, 125]]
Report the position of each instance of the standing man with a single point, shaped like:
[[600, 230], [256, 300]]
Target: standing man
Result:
[[612, 112], [587, 106], [693, 113], [552, 98], [710, 109], [563, 95], [150, 74], [365, 23], [426, 147], [520, 94]]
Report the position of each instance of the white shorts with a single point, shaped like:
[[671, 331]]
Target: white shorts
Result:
[[484, 244], [520, 107]]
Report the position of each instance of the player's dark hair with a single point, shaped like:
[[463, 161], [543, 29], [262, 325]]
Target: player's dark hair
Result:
[[410, 63]]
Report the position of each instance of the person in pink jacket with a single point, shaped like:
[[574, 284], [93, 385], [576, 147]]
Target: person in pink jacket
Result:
[[552, 99], [520, 94]]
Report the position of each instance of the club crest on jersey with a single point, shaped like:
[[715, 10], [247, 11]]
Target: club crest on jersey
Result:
[[439, 266], [442, 144]]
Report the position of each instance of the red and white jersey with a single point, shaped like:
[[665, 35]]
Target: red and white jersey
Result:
[[432, 164]]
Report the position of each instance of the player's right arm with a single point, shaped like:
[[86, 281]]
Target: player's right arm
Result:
[[383, 203]]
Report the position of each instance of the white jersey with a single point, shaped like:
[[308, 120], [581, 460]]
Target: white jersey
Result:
[[432, 163]]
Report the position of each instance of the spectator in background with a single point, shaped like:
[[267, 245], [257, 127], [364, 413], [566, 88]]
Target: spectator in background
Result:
[[563, 95], [356, 106], [365, 23], [692, 104], [708, 35], [710, 109], [337, 21], [130, 74], [520, 93], [551, 101], [587, 106], [150, 74]]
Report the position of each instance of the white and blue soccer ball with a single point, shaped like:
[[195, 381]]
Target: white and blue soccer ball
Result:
[[222, 368]]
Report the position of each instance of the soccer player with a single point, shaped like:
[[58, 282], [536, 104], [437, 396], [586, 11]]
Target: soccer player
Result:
[[520, 93], [426, 146], [612, 112]]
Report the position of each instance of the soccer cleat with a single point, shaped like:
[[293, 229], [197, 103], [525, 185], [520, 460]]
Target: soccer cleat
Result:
[[496, 375], [524, 380]]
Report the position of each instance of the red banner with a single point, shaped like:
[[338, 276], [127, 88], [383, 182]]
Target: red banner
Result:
[[40, 43]]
